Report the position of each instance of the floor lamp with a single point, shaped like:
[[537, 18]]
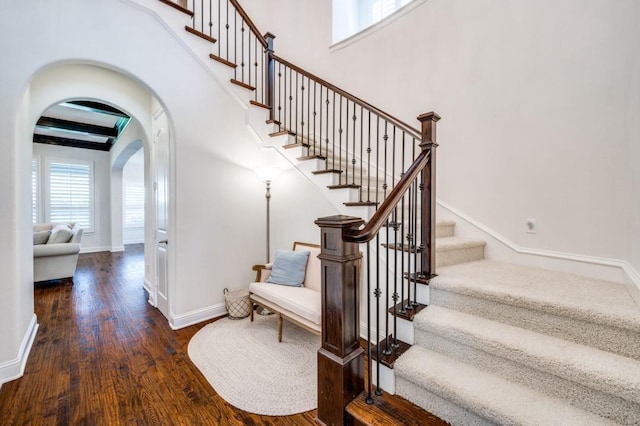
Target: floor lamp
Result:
[[268, 175]]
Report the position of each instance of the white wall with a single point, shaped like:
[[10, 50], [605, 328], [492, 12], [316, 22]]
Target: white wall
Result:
[[214, 193], [539, 104]]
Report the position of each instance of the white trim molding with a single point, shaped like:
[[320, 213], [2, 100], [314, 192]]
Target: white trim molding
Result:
[[177, 322], [633, 277], [14, 369]]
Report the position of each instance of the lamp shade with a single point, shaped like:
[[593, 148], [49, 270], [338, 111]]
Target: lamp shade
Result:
[[268, 173]]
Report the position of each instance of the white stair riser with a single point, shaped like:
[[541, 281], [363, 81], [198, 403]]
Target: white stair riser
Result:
[[456, 256], [387, 379], [404, 330]]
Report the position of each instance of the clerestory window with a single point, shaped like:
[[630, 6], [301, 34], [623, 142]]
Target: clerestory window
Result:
[[352, 16]]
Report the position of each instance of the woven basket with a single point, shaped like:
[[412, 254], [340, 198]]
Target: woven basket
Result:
[[237, 303]]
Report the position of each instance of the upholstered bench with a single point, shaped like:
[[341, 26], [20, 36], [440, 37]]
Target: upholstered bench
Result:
[[300, 305]]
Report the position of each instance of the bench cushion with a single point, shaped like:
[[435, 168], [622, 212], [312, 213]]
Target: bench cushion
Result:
[[303, 301]]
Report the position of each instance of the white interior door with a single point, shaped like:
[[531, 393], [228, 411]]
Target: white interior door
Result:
[[162, 214]]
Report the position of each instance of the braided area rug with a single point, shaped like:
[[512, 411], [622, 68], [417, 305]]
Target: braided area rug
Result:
[[249, 369]]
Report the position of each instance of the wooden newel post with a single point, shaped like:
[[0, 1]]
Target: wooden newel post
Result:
[[428, 186], [270, 77], [340, 359]]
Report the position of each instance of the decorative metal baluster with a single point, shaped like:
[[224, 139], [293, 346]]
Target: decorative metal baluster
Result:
[[422, 237], [320, 121], [346, 146], [353, 147], [377, 294], [210, 19], [315, 116], [410, 249], [369, 159], [300, 101], [387, 343], [219, 26], [415, 244], [326, 163], [201, 29], [395, 225], [369, 399], [290, 126], [361, 153], [227, 26], [242, 50], [297, 107], [309, 116], [235, 43], [402, 255], [377, 193], [340, 143]]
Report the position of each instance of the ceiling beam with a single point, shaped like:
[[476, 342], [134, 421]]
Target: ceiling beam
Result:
[[96, 107], [74, 143], [74, 126]]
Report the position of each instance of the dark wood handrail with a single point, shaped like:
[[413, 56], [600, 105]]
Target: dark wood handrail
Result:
[[249, 22], [403, 126], [395, 196]]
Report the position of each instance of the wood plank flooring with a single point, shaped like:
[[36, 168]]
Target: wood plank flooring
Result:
[[104, 356]]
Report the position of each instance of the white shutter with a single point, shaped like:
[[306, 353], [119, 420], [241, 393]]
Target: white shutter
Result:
[[134, 206], [71, 193], [34, 190]]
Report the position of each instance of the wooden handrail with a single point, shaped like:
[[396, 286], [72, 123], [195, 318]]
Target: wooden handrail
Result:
[[380, 216], [396, 122], [249, 22]]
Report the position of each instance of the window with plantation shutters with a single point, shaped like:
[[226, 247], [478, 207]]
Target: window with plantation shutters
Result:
[[35, 200], [70, 194], [134, 206]]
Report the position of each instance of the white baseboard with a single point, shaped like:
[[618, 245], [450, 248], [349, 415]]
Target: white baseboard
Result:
[[136, 241], [116, 249], [598, 267], [13, 369], [184, 320]]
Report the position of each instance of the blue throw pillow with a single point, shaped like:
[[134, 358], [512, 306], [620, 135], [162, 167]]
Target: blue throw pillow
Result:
[[289, 268]]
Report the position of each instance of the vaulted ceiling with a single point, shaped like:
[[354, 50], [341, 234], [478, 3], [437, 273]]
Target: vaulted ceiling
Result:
[[81, 124]]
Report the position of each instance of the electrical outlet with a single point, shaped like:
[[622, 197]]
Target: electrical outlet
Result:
[[532, 226]]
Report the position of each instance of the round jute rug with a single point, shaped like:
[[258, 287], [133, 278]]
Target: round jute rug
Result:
[[247, 366]]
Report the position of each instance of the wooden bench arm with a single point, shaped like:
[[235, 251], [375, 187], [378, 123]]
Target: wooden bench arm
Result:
[[259, 271]]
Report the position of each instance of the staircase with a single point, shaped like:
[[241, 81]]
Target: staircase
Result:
[[507, 344], [482, 342]]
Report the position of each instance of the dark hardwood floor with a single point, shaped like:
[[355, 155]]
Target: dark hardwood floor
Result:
[[104, 356]]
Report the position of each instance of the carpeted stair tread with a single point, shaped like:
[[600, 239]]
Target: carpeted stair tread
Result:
[[552, 292], [490, 397], [596, 369], [455, 250]]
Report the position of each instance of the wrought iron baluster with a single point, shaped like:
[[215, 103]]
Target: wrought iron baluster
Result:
[[340, 142], [387, 344], [301, 107], [290, 100], [315, 116], [242, 50], [346, 146], [219, 25], [210, 19], [377, 294], [369, 159], [394, 343], [353, 146], [369, 399], [361, 153]]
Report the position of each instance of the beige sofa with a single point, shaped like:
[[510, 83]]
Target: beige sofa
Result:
[[300, 305], [55, 254]]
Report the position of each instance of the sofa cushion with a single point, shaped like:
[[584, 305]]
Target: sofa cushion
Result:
[[60, 234], [289, 268], [40, 237], [300, 300]]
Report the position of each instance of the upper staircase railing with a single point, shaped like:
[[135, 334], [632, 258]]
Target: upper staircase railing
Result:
[[389, 163]]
